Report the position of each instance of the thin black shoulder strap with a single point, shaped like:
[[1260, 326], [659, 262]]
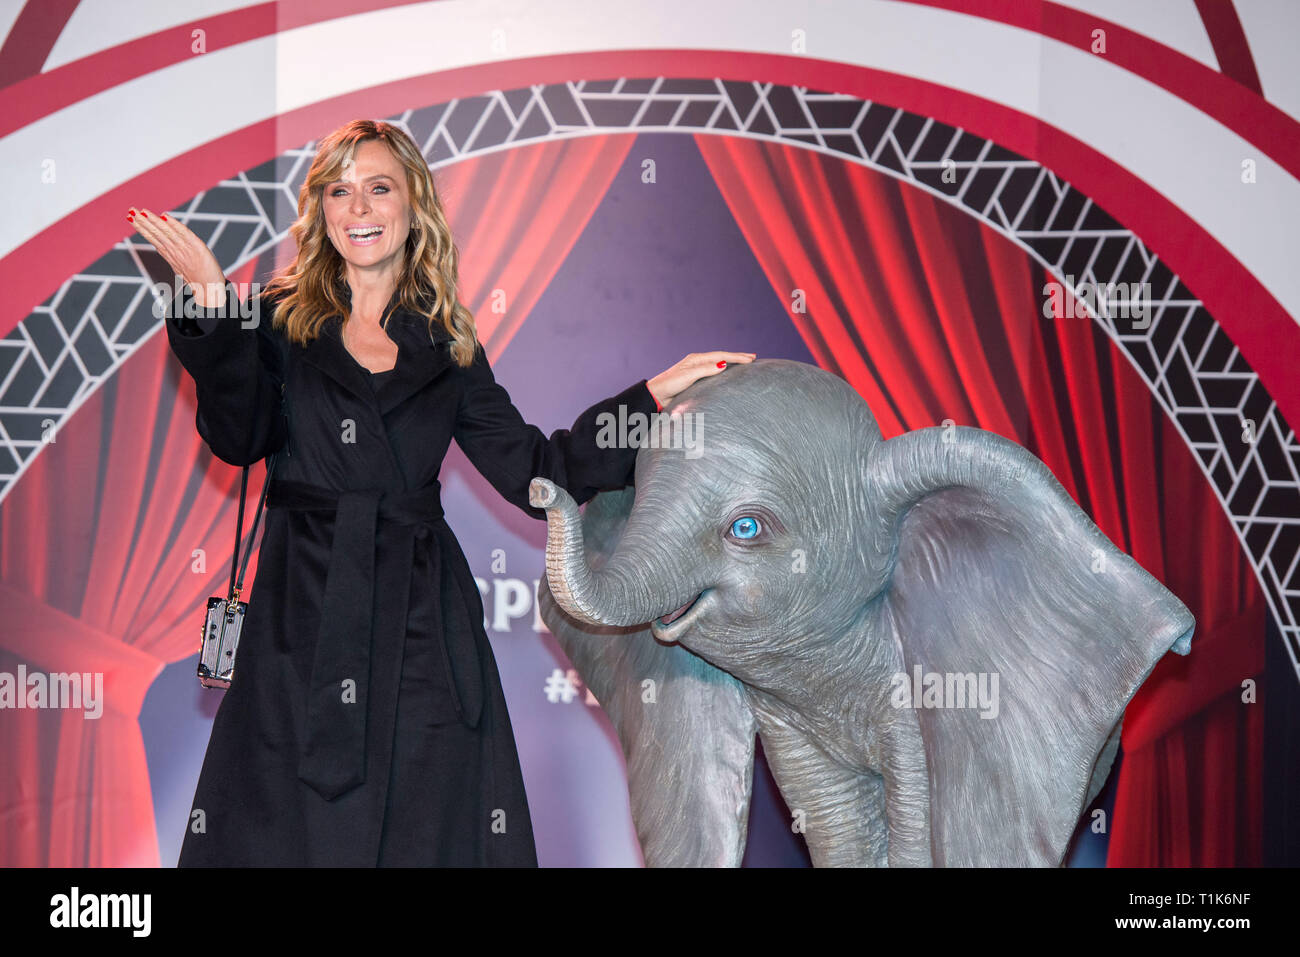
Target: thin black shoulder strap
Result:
[[239, 529], [238, 583]]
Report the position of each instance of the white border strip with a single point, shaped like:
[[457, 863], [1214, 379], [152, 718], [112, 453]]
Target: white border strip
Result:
[[1184, 154]]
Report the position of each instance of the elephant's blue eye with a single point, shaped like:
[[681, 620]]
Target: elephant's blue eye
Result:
[[745, 527]]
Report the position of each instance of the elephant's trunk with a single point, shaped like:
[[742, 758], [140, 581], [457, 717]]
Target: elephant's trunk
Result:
[[617, 593]]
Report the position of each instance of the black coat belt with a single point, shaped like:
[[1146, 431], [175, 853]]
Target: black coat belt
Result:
[[332, 756]]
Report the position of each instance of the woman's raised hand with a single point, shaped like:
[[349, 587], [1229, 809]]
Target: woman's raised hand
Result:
[[697, 365], [189, 256]]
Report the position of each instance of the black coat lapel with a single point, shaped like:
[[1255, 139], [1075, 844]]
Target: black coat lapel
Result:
[[327, 353], [422, 354]]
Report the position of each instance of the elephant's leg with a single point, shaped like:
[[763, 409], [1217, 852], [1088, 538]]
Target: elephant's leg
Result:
[[842, 810], [900, 751]]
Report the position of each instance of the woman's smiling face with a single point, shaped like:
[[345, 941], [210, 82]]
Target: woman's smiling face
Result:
[[367, 213]]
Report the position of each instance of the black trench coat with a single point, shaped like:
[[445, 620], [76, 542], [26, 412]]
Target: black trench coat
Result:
[[366, 723]]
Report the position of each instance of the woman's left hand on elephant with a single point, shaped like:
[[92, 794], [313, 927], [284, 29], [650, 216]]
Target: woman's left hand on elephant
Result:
[[697, 365]]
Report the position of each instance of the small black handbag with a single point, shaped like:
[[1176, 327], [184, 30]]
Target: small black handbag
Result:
[[225, 618]]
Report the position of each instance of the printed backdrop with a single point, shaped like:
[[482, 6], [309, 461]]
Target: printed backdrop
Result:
[[889, 190]]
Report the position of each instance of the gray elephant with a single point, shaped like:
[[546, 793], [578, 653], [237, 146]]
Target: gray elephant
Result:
[[854, 601]]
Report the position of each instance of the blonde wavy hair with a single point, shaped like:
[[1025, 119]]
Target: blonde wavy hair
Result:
[[314, 287]]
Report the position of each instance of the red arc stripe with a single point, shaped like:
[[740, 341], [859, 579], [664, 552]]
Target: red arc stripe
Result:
[[1221, 96], [34, 95], [1229, 42], [1255, 321], [32, 37]]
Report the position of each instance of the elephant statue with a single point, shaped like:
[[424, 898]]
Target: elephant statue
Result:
[[934, 642]]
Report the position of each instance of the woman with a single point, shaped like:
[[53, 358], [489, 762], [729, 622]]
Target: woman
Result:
[[366, 723]]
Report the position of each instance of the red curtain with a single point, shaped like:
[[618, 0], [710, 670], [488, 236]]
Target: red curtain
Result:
[[98, 537], [516, 215], [96, 561], [931, 316]]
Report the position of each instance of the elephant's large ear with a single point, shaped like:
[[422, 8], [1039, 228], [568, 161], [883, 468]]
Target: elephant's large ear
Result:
[[685, 726], [1001, 584]]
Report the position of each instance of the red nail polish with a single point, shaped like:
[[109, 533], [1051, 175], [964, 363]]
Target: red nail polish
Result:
[[722, 365], [144, 214], [130, 219], [164, 215]]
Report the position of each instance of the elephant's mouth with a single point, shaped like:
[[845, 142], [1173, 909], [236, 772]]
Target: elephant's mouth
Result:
[[669, 627]]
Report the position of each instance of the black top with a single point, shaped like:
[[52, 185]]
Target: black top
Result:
[[379, 378]]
